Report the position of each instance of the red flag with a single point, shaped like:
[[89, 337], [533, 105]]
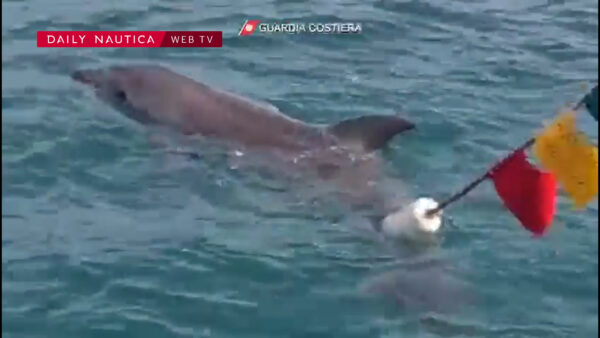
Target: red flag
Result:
[[527, 192]]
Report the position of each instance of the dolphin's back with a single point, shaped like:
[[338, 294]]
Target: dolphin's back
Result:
[[197, 108], [251, 122], [158, 95]]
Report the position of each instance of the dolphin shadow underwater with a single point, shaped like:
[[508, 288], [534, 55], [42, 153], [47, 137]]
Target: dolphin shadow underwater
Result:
[[343, 153]]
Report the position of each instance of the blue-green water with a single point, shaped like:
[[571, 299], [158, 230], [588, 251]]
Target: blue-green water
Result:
[[105, 236]]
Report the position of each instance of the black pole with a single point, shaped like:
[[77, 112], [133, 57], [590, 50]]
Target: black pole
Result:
[[473, 184], [476, 181]]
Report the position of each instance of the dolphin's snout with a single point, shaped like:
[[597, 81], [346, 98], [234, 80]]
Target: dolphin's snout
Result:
[[405, 124], [79, 76], [85, 76]]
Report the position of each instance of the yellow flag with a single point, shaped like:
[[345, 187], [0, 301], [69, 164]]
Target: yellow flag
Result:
[[567, 154]]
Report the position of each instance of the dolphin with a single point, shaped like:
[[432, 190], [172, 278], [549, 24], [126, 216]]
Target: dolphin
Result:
[[155, 95]]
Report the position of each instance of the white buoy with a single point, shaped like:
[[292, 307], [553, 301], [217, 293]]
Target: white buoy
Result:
[[412, 222]]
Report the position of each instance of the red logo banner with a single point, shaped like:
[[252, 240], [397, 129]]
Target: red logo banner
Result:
[[129, 39]]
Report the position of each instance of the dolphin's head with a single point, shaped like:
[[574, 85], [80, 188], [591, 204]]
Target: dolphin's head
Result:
[[120, 87], [110, 82]]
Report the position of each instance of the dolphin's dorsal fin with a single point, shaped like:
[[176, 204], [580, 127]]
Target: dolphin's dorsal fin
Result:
[[372, 132]]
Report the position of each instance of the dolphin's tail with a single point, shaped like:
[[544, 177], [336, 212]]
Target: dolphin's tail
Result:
[[371, 132]]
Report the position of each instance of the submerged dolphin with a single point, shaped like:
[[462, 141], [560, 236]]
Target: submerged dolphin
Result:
[[156, 95]]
